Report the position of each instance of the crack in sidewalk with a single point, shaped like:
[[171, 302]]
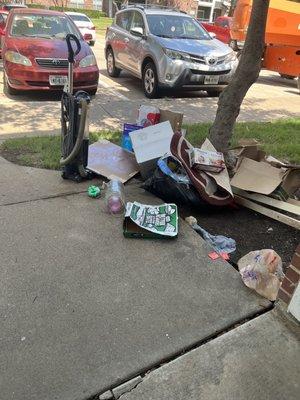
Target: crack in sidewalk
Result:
[[144, 373]]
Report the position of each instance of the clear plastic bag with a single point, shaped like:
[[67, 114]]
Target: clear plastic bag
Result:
[[261, 270]]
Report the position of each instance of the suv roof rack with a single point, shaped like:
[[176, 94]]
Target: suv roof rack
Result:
[[150, 6]]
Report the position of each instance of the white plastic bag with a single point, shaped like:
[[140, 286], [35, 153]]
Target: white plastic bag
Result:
[[261, 270], [148, 115]]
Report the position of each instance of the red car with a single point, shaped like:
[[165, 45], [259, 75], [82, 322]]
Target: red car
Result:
[[35, 53], [3, 18], [221, 27]]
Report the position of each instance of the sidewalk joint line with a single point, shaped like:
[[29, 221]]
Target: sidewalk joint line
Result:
[[43, 198], [183, 352]]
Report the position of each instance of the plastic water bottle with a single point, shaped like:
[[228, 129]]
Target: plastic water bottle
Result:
[[115, 197]]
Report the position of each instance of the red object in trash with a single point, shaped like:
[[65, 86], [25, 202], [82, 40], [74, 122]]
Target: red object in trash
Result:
[[213, 255]]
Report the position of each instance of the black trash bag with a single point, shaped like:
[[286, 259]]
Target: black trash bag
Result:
[[172, 191]]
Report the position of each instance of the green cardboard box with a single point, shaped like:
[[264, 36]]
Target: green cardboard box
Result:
[[152, 222]]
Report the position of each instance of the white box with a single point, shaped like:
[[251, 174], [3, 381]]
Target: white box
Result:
[[151, 143]]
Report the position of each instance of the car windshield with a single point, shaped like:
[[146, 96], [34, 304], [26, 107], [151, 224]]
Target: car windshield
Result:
[[176, 27], [42, 26], [3, 17], [79, 18]]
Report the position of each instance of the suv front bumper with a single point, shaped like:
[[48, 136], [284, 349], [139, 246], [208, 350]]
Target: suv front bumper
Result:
[[189, 79], [176, 74]]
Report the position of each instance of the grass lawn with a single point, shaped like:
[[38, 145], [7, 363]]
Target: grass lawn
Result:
[[101, 24], [279, 138]]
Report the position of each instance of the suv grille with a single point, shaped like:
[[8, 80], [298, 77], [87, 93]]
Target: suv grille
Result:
[[202, 60], [197, 59], [56, 63]]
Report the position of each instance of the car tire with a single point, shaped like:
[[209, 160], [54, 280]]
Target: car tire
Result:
[[150, 81], [92, 43], [214, 93], [111, 68], [8, 89]]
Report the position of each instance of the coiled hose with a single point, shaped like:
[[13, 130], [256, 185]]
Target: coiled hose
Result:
[[67, 131]]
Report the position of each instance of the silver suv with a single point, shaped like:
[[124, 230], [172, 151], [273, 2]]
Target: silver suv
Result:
[[167, 48]]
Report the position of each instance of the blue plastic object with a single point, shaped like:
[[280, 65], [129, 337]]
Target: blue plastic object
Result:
[[126, 141]]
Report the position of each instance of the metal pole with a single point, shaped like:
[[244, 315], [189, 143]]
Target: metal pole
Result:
[[70, 73], [211, 16]]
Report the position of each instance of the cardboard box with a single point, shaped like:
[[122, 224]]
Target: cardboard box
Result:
[[109, 160], [147, 221], [174, 118], [258, 177], [150, 144]]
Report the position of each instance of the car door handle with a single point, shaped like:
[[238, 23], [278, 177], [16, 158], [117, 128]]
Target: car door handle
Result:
[[126, 40]]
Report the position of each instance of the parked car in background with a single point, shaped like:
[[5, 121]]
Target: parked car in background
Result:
[[11, 6], [221, 27], [35, 53], [3, 18], [167, 49], [84, 24]]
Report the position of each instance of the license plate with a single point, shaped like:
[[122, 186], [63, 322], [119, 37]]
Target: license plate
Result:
[[58, 80], [211, 80]]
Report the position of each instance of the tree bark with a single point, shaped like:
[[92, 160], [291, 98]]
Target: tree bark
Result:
[[246, 74]]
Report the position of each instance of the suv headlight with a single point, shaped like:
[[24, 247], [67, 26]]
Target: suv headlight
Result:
[[176, 55], [17, 58], [88, 61], [231, 57]]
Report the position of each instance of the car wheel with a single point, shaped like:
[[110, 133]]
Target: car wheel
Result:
[[8, 89], [214, 93], [111, 68], [92, 43], [150, 81]]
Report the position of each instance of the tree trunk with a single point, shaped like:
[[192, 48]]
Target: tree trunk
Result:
[[246, 74]]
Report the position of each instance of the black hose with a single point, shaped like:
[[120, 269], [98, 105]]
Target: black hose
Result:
[[67, 133]]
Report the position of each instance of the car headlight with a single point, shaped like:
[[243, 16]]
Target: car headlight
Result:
[[176, 55], [17, 58], [231, 57], [88, 61]]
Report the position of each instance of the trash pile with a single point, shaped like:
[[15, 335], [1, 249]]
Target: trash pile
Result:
[[156, 147], [172, 169]]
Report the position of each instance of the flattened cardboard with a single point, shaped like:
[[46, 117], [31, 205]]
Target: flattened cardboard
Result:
[[111, 161], [249, 148], [221, 178], [291, 182], [258, 177], [174, 118]]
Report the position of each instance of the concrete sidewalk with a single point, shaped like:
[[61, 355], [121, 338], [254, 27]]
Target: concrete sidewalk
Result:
[[258, 360], [84, 309]]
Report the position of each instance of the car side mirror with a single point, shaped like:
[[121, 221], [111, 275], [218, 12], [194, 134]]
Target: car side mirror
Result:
[[87, 37], [138, 31], [212, 35]]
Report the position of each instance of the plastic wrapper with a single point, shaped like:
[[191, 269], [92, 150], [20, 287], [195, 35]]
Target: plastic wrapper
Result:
[[148, 115], [221, 244], [261, 270], [171, 183]]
